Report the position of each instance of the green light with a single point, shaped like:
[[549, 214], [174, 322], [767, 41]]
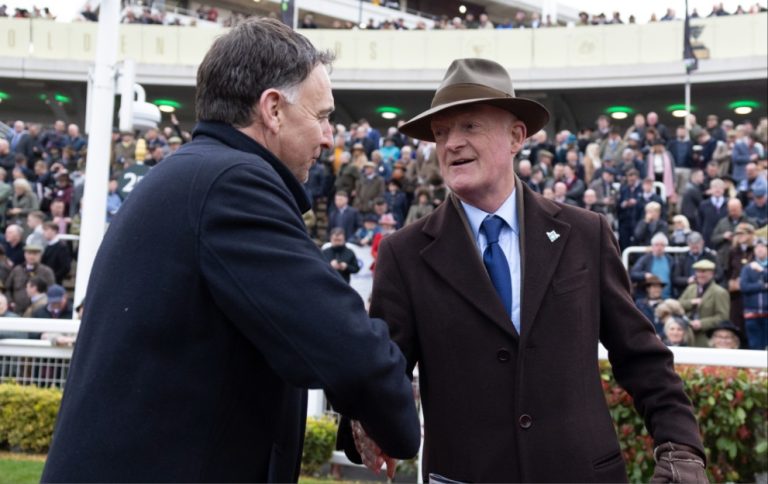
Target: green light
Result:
[[62, 98], [167, 102], [619, 109], [744, 103], [389, 109], [4, 95], [679, 107]]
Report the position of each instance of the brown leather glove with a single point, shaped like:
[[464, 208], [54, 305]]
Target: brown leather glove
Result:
[[678, 463]]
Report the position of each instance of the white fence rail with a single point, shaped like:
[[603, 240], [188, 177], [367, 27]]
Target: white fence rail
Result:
[[644, 249]]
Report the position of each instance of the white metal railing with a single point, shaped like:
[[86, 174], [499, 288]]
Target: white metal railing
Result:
[[644, 249]]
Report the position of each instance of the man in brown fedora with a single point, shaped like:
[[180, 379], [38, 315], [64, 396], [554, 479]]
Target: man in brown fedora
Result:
[[501, 298]]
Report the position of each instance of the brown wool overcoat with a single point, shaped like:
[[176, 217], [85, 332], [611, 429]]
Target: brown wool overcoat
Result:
[[500, 407]]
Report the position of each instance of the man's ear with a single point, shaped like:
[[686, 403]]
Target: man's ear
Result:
[[269, 109], [518, 133]]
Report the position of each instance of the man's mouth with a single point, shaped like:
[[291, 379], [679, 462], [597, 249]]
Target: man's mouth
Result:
[[461, 161]]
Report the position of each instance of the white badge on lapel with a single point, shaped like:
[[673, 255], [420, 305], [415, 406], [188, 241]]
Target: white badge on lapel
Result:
[[553, 236]]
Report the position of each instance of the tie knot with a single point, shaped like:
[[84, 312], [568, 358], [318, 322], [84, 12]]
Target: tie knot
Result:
[[492, 226]]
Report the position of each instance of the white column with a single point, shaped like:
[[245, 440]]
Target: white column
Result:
[[102, 105]]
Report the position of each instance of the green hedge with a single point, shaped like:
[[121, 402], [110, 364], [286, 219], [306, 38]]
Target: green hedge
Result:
[[27, 417], [732, 409], [731, 405], [319, 442]]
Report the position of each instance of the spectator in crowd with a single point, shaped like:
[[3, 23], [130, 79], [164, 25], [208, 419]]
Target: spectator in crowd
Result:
[[712, 210], [57, 254], [656, 263], [7, 157], [613, 146], [683, 274], [591, 161], [368, 188], [23, 201], [5, 312], [681, 228], [653, 287], [349, 174], [344, 216], [36, 291], [365, 234], [397, 202], [651, 225], [722, 235], [661, 168], [113, 200], [705, 302], [676, 331], [693, 195], [58, 306], [421, 208], [630, 209], [714, 128], [6, 192], [59, 216], [670, 308], [35, 221], [339, 256], [387, 226], [724, 336], [13, 244], [757, 209], [16, 284], [754, 290], [733, 257]]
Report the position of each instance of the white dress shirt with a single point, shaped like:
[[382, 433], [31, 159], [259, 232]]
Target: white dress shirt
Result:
[[509, 241]]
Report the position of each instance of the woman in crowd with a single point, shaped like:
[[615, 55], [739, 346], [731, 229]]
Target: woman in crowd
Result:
[[23, 201], [680, 230], [724, 336]]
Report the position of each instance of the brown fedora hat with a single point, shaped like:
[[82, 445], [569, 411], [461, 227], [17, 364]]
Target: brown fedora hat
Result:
[[477, 81]]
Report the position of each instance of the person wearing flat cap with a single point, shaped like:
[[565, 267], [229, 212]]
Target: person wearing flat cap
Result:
[[501, 297], [704, 301]]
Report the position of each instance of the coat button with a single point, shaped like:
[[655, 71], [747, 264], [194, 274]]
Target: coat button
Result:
[[502, 355], [525, 421]]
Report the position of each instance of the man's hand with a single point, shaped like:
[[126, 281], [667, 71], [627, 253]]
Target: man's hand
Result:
[[678, 463], [696, 324], [371, 454]]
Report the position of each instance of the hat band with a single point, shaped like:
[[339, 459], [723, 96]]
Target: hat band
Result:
[[466, 92]]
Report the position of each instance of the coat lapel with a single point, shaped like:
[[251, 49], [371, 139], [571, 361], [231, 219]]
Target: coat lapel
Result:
[[539, 251], [454, 257]]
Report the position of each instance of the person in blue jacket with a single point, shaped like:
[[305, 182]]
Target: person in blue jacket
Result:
[[211, 311]]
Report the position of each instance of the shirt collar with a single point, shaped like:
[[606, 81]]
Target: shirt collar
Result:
[[507, 211]]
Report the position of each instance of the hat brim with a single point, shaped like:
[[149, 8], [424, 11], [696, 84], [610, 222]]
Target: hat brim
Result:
[[532, 114]]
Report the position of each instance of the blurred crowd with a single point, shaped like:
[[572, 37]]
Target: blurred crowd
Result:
[[146, 13], [701, 189], [693, 199]]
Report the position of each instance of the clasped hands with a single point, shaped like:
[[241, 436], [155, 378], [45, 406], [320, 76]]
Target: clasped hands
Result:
[[373, 457]]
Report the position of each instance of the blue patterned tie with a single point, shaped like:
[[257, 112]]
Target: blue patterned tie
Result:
[[495, 261]]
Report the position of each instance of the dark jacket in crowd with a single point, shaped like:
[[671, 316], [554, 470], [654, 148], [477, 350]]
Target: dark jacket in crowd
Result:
[[344, 254], [348, 219], [210, 311], [59, 258], [709, 215], [684, 268]]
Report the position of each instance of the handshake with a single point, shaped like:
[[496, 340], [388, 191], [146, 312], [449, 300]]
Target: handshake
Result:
[[370, 453]]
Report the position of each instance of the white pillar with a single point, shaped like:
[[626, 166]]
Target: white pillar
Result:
[[94, 209]]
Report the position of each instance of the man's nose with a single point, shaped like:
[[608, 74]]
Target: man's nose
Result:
[[327, 140], [454, 140]]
